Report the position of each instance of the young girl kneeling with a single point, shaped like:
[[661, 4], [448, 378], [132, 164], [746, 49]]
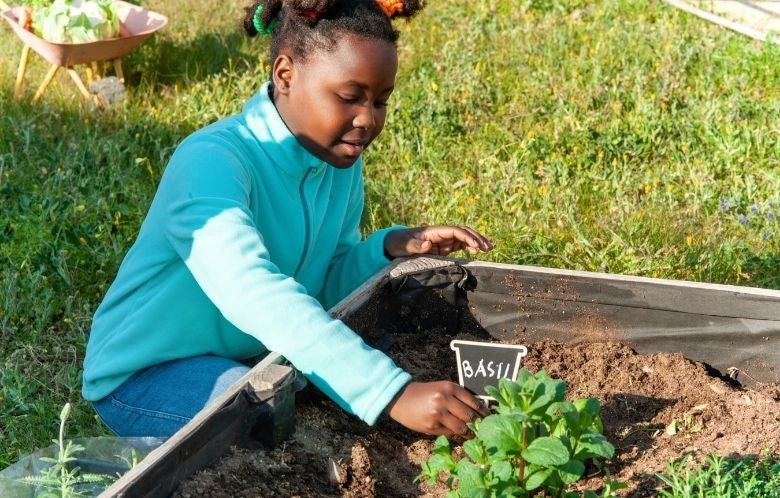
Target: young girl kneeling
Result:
[[254, 232]]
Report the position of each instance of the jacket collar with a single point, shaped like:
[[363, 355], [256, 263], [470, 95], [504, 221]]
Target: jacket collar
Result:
[[275, 138]]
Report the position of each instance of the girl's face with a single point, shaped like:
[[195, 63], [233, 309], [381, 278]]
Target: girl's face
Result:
[[335, 102]]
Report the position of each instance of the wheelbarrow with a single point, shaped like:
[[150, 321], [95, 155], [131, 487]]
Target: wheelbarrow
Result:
[[137, 24]]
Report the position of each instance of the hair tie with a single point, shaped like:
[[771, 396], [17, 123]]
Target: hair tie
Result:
[[311, 14], [258, 23], [390, 7]]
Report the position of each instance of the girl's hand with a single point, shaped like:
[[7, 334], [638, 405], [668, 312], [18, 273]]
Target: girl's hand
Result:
[[440, 240], [436, 408]]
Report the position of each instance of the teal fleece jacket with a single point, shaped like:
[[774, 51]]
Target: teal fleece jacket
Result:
[[248, 240]]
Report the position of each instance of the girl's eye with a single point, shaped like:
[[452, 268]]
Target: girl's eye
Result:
[[350, 99], [381, 104]]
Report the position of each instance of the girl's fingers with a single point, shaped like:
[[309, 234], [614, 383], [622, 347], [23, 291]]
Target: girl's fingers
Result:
[[453, 426], [472, 402], [465, 236], [453, 238], [484, 244], [464, 413], [417, 246], [445, 249], [471, 238]]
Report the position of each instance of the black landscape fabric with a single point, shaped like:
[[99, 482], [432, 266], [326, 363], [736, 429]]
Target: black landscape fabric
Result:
[[733, 330]]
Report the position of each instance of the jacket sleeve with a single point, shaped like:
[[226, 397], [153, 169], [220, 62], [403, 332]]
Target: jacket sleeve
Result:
[[354, 261], [210, 226]]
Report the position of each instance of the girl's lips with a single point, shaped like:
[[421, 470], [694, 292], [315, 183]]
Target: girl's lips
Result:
[[353, 148]]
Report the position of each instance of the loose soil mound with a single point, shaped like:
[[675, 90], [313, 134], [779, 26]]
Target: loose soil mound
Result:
[[334, 455]]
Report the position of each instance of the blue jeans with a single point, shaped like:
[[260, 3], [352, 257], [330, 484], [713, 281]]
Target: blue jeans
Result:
[[158, 400]]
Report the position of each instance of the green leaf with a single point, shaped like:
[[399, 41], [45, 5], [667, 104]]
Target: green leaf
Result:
[[541, 401], [471, 480], [611, 486], [571, 471], [440, 463], [589, 406], [546, 451], [567, 443], [437, 463], [492, 392], [509, 491], [503, 472], [565, 418], [475, 449], [441, 446], [557, 388], [597, 425], [523, 375], [502, 435], [536, 479], [518, 416], [592, 445], [509, 396]]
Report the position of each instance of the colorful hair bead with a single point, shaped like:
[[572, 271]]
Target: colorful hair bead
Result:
[[391, 7], [258, 23]]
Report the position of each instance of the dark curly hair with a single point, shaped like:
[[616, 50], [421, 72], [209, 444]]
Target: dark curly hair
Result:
[[306, 26]]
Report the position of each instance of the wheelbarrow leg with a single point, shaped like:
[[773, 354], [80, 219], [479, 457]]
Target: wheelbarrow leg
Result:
[[45, 82], [118, 70], [18, 87], [77, 80]]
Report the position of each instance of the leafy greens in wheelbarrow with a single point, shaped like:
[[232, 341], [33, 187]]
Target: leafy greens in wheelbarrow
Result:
[[76, 21]]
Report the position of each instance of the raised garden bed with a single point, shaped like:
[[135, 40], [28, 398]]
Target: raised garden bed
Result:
[[623, 340]]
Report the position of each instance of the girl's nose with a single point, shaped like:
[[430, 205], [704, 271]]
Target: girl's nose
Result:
[[365, 118]]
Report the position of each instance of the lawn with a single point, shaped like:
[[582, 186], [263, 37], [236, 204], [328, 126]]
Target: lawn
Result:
[[620, 136]]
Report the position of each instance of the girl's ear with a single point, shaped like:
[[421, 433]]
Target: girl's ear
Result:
[[282, 73]]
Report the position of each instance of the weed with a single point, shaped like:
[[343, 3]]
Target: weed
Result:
[[722, 477], [62, 479]]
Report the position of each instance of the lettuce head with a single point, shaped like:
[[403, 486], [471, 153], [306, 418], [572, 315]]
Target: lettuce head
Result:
[[76, 21]]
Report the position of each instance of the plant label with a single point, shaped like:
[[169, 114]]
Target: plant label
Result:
[[482, 364]]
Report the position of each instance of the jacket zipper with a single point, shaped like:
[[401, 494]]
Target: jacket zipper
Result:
[[302, 194]]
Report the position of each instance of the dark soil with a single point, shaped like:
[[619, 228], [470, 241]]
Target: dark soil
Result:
[[334, 454]]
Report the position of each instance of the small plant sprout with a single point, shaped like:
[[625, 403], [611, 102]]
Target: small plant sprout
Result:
[[62, 479], [534, 441], [745, 477]]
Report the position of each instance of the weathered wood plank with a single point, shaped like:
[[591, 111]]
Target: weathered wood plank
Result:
[[263, 397], [623, 290]]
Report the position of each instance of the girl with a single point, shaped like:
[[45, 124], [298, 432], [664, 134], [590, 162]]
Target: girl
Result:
[[254, 232]]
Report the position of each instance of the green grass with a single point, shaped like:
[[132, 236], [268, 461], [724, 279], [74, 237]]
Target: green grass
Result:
[[723, 478], [621, 136]]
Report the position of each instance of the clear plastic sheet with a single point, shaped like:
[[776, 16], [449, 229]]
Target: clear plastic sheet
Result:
[[109, 456]]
